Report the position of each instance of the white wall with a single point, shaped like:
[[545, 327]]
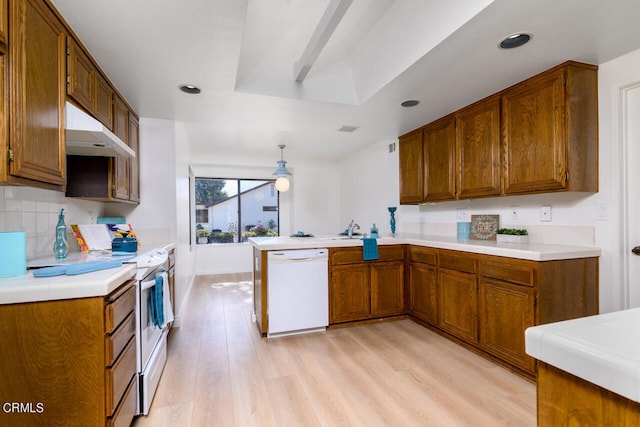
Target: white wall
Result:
[[370, 184], [312, 204]]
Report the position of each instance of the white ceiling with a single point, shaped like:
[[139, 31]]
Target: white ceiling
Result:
[[241, 53]]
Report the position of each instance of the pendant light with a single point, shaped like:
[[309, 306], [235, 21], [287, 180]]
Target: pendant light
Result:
[[282, 183]]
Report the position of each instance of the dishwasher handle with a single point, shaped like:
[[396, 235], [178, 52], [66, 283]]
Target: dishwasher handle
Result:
[[297, 255]]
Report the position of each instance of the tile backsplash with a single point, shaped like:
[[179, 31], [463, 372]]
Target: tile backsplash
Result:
[[35, 212]]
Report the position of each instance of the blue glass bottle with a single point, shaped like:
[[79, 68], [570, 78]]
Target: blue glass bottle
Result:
[[61, 247]]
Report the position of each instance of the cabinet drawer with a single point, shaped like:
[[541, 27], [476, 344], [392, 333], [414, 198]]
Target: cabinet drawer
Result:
[[116, 342], [354, 255], [458, 261], [127, 408], [507, 270], [424, 255], [119, 376], [120, 304]]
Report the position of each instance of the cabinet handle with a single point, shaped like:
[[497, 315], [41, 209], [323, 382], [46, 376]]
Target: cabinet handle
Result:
[[636, 250]]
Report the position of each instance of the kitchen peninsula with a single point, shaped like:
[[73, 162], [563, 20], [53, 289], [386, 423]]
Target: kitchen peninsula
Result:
[[480, 294]]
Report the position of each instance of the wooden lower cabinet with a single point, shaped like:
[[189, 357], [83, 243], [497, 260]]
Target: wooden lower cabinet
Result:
[[505, 311], [349, 293], [566, 400], [360, 290], [423, 292], [488, 301], [458, 304], [70, 362]]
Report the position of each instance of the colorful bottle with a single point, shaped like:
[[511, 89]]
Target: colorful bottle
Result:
[[61, 247], [374, 231]]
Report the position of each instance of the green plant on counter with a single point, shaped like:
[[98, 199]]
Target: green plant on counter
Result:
[[512, 231]]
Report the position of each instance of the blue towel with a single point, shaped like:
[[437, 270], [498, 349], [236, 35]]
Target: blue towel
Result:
[[74, 269], [156, 303], [369, 248]]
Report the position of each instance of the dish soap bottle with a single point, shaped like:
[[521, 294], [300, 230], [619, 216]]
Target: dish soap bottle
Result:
[[61, 247], [374, 231]]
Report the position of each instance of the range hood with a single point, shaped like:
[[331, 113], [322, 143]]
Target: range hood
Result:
[[86, 136]]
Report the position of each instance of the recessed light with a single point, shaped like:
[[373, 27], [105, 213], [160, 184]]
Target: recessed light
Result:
[[514, 40], [190, 89], [410, 103]]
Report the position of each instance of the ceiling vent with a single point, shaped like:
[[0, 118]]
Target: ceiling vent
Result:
[[346, 128]]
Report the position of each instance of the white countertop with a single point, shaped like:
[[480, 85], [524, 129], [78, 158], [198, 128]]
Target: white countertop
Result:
[[602, 349], [29, 289], [532, 251]]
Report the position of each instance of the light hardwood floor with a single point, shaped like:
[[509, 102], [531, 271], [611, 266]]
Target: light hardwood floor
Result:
[[221, 372]]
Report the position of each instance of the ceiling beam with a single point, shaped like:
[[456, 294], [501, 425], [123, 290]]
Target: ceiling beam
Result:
[[328, 23]]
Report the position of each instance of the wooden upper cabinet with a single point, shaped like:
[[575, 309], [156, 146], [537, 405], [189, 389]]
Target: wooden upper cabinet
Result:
[[81, 80], [134, 170], [411, 168], [104, 101], [438, 140], [87, 86], [478, 149], [121, 165], [37, 71], [549, 126]]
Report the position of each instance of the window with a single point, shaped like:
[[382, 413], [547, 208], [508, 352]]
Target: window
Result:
[[232, 210]]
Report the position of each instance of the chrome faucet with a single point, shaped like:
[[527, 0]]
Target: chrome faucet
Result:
[[351, 228]]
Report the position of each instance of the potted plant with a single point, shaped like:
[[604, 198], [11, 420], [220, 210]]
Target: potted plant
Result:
[[512, 235], [203, 235]]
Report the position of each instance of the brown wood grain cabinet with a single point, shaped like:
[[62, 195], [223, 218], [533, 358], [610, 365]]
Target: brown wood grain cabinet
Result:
[[423, 284], [550, 125], [411, 167], [438, 141], [134, 164], [458, 295], [4, 24], [87, 86], [478, 150], [540, 135], [36, 76], [566, 400], [486, 302], [121, 165], [360, 290], [75, 357]]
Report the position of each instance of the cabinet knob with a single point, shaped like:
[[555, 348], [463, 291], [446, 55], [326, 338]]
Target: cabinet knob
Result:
[[636, 250]]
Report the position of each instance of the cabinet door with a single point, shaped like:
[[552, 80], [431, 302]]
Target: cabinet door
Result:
[[506, 310], [104, 101], [478, 149], [81, 84], [134, 171], [411, 168], [458, 304], [534, 134], [423, 292], [37, 77], [387, 288], [121, 166], [439, 159], [349, 293], [4, 12]]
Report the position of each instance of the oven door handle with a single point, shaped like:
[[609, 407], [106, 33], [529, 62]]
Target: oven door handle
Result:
[[148, 284]]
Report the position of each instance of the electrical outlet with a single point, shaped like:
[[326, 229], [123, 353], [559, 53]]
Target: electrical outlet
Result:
[[545, 213], [462, 214], [514, 213]]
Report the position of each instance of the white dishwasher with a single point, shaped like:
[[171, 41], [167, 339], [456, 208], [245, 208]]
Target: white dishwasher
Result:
[[297, 291]]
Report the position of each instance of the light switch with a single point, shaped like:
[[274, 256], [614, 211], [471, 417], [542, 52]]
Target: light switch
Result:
[[545, 213]]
